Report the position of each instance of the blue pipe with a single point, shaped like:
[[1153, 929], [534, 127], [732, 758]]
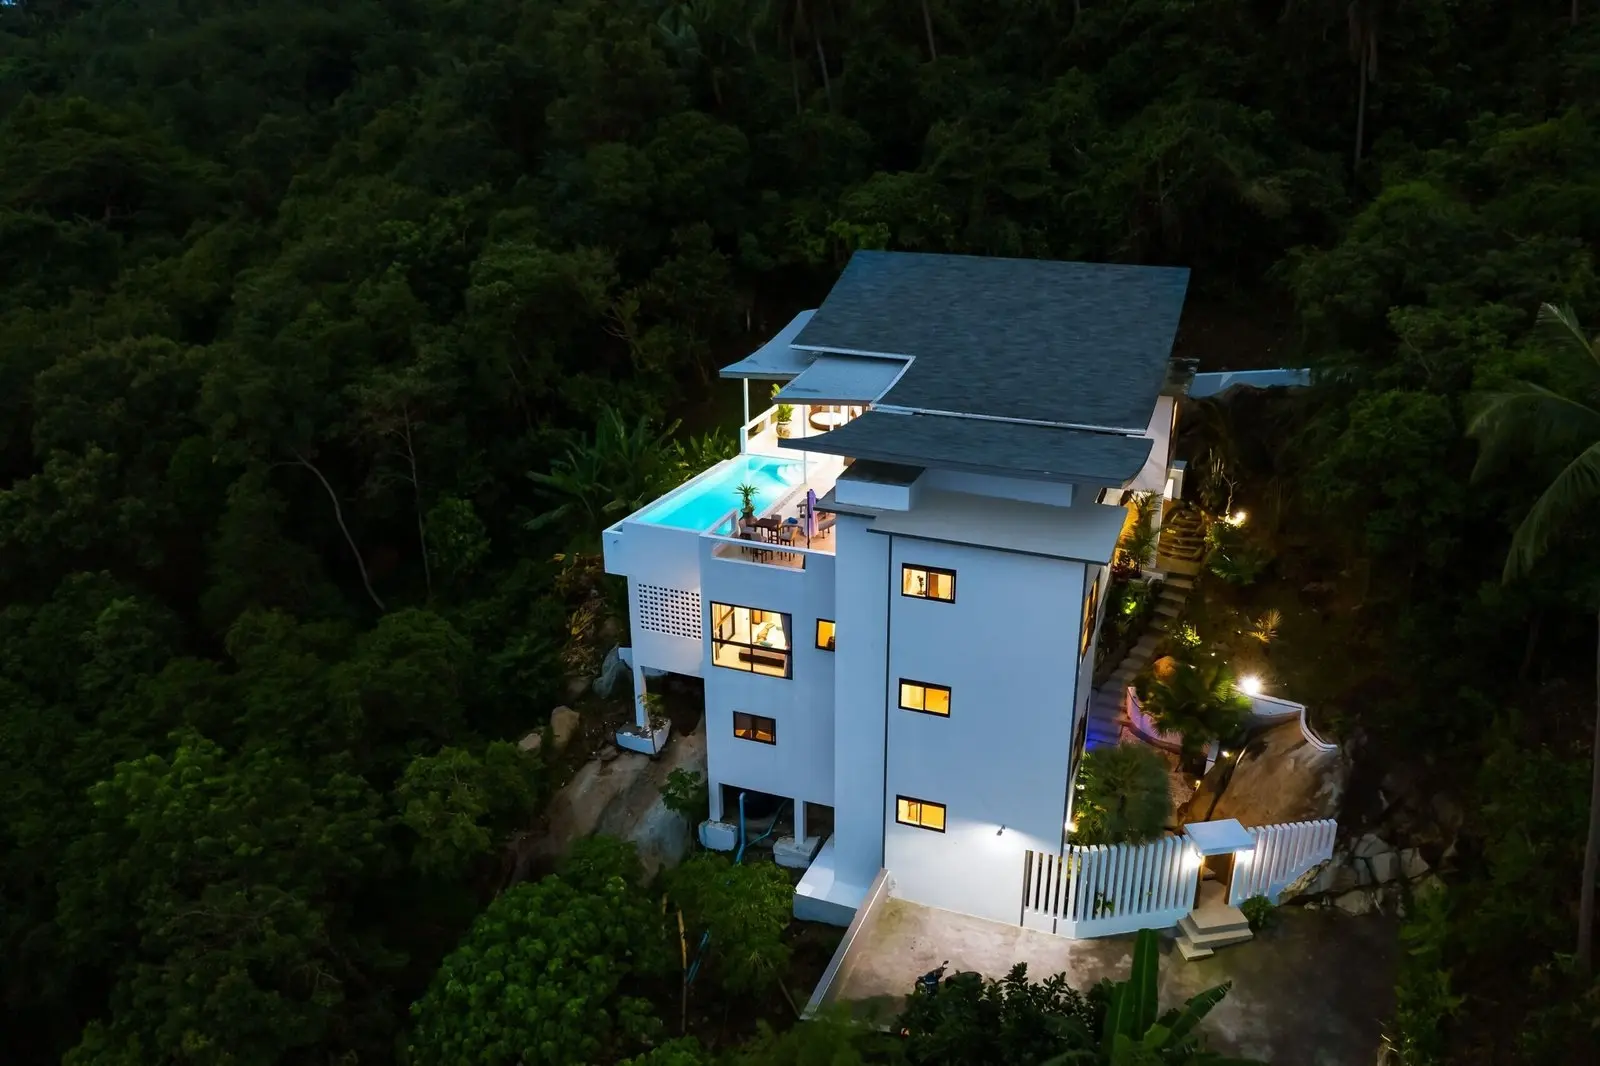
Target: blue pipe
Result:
[[739, 856]]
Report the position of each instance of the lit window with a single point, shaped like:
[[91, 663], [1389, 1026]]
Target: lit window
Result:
[[744, 638], [1090, 606], [825, 634], [919, 813], [929, 699], [928, 583], [755, 727]]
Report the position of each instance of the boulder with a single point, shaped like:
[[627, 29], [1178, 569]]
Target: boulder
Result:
[[620, 797], [1313, 882], [1278, 778], [1357, 902], [612, 671], [1412, 864], [1370, 845], [563, 723], [1385, 866], [577, 685], [533, 741]]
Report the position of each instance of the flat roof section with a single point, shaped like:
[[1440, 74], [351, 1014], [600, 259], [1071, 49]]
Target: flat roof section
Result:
[[984, 446], [1076, 343], [843, 379], [1086, 532], [775, 359]]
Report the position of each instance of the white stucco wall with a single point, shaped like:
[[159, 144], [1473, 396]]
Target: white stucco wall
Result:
[[1008, 649], [862, 586], [800, 765]]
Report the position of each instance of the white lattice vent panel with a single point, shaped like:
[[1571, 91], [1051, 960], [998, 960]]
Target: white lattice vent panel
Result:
[[670, 611]]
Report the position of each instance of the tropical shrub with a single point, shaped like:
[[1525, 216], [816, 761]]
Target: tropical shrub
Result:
[[1132, 1034], [745, 909], [1123, 796], [687, 793], [550, 973], [1199, 700], [969, 1021], [1259, 912]]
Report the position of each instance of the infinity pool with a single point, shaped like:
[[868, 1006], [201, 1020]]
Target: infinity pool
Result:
[[699, 506]]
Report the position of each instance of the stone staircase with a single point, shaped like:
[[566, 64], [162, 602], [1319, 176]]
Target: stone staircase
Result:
[[1182, 547], [1105, 710], [1212, 924]]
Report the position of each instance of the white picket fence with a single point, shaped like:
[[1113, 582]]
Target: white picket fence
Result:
[[1106, 889], [1282, 853]]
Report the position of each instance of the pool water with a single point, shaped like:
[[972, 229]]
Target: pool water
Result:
[[709, 499]]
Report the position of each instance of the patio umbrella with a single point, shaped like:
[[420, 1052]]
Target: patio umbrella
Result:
[[811, 514]]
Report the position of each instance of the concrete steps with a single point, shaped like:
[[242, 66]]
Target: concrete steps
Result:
[[1212, 925]]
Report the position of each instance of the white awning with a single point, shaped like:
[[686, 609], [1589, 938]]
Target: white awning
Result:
[[843, 379]]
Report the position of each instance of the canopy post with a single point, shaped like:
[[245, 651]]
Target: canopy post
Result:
[[744, 427]]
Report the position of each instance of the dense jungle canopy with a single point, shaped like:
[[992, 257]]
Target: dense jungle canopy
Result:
[[294, 295]]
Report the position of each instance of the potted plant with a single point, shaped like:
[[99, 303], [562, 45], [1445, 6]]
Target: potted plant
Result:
[[782, 415], [747, 501]]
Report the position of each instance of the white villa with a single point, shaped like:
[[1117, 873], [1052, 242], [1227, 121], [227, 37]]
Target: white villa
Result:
[[897, 641]]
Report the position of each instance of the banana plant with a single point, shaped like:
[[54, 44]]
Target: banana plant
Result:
[[1133, 1034]]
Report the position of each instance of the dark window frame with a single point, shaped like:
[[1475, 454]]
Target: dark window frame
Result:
[[752, 648], [899, 695], [753, 729], [928, 570], [943, 809]]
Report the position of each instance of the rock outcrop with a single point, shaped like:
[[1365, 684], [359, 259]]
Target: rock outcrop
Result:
[[618, 793], [1363, 877]]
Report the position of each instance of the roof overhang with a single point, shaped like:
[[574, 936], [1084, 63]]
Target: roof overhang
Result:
[[843, 379], [985, 446], [776, 358]]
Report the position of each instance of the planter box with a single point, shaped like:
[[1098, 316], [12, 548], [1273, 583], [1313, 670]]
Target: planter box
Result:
[[645, 743], [719, 836]]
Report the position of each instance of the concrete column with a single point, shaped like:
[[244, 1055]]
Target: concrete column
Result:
[[715, 788], [640, 714], [799, 820]]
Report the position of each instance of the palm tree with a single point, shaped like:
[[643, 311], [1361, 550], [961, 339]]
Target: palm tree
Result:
[[1527, 417], [617, 472], [1362, 18], [1125, 796], [1199, 701]]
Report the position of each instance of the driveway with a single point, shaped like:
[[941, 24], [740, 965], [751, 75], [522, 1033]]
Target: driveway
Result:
[[1311, 991]]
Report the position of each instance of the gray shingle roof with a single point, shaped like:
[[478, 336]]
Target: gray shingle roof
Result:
[[1081, 343], [1013, 449]]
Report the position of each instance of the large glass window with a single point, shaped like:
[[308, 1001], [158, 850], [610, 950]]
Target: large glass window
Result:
[[745, 638], [824, 634], [755, 727], [928, 583], [920, 813], [921, 696]]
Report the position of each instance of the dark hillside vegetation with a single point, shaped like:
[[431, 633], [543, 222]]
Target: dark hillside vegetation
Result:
[[294, 295]]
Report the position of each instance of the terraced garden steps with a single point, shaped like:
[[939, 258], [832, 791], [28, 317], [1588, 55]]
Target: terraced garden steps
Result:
[[1105, 709]]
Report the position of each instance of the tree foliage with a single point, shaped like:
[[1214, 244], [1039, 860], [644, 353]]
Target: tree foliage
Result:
[[550, 973], [294, 297]]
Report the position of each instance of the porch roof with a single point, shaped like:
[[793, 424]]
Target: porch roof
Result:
[[1219, 837]]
